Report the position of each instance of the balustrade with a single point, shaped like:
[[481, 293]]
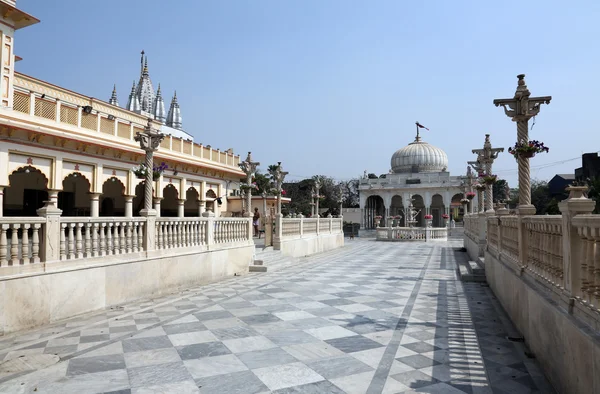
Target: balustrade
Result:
[[290, 227], [310, 226], [492, 232], [20, 240], [82, 237], [180, 232], [588, 270], [300, 227], [509, 238], [544, 248], [228, 230]]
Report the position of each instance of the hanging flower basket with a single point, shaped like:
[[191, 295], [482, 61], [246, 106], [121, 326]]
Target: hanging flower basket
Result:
[[479, 187], [283, 193], [465, 201], [527, 149], [428, 217], [397, 217], [378, 217], [141, 171], [470, 195], [445, 216], [489, 179]]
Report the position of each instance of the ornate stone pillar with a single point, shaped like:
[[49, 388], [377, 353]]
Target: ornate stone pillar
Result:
[[249, 168], [53, 196], [180, 207], [129, 206], [278, 175], [201, 206], [95, 205], [1, 201], [149, 141], [317, 181], [486, 157], [520, 109]]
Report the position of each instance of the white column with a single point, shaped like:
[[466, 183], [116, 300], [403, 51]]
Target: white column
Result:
[[129, 206], [94, 205], [1, 201], [157, 205], [180, 207], [201, 205]]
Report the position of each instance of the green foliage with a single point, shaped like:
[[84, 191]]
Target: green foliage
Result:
[[263, 182], [594, 192], [372, 176], [500, 191]]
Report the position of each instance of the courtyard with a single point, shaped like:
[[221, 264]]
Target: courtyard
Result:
[[370, 317]]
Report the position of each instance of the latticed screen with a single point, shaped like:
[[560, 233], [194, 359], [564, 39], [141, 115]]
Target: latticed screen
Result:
[[68, 115], [89, 121], [176, 144], [123, 130], [45, 109], [21, 102], [107, 126], [187, 147]]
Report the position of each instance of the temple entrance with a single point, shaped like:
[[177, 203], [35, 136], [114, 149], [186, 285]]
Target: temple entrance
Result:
[[210, 200], [74, 199], [437, 210], [168, 206], [397, 209], [191, 206], [374, 206], [456, 207], [112, 201], [27, 191], [419, 206]]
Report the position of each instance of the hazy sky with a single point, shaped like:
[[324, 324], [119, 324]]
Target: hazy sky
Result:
[[335, 86]]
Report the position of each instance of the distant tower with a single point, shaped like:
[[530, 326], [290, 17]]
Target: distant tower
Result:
[[133, 104], [158, 107], [174, 117], [113, 98]]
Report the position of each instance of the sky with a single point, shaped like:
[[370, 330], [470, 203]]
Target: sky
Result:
[[334, 87]]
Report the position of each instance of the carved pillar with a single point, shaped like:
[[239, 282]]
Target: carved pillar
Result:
[[129, 206], [180, 207], [1, 201], [201, 206], [157, 201]]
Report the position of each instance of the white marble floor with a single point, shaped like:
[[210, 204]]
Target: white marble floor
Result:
[[368, 318]]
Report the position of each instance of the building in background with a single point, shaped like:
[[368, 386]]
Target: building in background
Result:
[[590, 167], [559, 183]]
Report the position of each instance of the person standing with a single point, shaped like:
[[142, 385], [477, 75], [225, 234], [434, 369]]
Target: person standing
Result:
[[255, 221]]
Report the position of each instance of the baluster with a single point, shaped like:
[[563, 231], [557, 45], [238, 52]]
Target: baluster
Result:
[[122, 238], [78, 241], [3, 245], [71, 241], [14, 244], [35, 244], [583, 266], [104, 239], [168, 236], [165, 235], [63, 243], [193, 233], [159, 235], [95, 244], [184, 234], [141, 236], [114, 234], [109, 241], [201, 238], [25, 243], [88, 240], [134, 237], [597, 267], [128, 240]]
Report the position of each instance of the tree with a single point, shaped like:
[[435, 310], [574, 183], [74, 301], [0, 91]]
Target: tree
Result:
[[372, 176], [540, 196], [350, 194], [500, 190], [263, 182]]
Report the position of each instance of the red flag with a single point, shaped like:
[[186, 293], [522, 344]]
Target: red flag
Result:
[[419, 125]]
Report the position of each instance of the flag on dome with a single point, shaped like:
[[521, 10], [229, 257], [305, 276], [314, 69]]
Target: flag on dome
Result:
[[419, 125]]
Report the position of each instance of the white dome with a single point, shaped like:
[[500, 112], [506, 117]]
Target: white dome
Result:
[[419, 156]]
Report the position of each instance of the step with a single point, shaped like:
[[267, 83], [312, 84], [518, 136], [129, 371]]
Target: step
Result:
[[476, 269], [258, 262], [466, 276], [258, 268]]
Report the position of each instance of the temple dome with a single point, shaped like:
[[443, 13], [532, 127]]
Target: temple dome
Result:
[[419, 156]]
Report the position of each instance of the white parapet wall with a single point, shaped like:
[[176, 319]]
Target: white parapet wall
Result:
[[405, 234], [104, 262], [545, 271], [299, 237]]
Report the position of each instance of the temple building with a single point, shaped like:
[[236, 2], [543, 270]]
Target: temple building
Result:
[[419, 172], [80, 152]]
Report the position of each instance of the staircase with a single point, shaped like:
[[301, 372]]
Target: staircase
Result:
[[266, 256], [471, 271]]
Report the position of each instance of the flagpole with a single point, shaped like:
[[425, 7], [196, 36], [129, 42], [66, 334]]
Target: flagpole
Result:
[[417, 124]]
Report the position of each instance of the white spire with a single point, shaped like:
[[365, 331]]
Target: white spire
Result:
[[145, 90], [158, 107], [113, 98], [133, 104], [174, 117]]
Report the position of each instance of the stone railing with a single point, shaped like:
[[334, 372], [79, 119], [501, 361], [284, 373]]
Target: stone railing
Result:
[[585, 278], [82, 237], [411, 234], [300, 227], [305, 236], [471, 224], [27, 241], [20, 240]]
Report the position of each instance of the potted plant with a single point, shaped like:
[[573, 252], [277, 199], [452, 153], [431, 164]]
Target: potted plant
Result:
[[489, 179], [479, 187], [377, 220], [141, 171], [428, 217], [465, 201], [445, 216], [470, 195], [527, 149]]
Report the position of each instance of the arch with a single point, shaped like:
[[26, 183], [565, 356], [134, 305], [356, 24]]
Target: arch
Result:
[[26, 192], [211, 196], [438, 208], [397, 207], [74, 199], [456, 206], [418, 203], [374, 206], [168, 206], [191, 206], [112, 201]]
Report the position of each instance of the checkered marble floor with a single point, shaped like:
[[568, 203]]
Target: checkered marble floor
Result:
[[368, 318]]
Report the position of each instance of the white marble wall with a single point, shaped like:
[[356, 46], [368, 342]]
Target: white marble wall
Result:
[[42, 298], [307, 246]]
